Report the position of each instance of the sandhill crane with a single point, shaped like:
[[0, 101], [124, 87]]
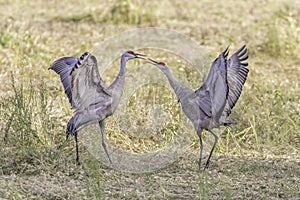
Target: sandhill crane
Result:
[[209, 106], [87, 93]]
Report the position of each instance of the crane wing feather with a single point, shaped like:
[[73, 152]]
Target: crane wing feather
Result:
[[236, 76], [215, 88], [63, 67], [224, 83], [204, 100], [83, 85], [87, 85]]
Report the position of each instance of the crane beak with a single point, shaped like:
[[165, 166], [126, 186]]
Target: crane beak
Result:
[[152, 61], [143, 56]]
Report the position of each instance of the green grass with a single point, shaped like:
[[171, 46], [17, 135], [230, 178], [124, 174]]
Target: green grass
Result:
[[257, 159]]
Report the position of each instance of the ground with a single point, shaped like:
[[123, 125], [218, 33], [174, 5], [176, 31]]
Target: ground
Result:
[[256, 159]]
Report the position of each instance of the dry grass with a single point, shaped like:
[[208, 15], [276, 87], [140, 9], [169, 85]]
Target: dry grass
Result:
[[257, 159]]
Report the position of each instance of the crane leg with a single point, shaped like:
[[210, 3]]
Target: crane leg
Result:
[[199, 133], [102, 125], [77, 153], [212, 149]]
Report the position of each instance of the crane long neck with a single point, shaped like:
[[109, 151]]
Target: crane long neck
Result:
[[122, 67], [177, 87], [119, 81], [170, 77]]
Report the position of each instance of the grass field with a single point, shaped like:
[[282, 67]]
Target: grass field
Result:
[[257, 159]]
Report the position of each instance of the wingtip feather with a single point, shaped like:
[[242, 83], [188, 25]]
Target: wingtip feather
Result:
[[226, 52], [242, 51]]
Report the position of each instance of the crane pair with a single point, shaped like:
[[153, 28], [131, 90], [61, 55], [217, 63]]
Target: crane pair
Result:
[[207, 107]]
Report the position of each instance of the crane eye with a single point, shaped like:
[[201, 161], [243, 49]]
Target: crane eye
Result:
[[130, 52], [162, 63]]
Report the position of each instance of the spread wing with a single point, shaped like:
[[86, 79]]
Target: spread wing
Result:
[[63, 67], [87, 87], [236, 76], [223, 85], [212, 95]]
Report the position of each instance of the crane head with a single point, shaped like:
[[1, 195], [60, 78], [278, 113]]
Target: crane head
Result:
[[160, 65], [128, 55]]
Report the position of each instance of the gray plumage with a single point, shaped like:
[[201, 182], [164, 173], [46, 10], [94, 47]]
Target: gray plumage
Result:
[[209, 106], [89, 97]]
